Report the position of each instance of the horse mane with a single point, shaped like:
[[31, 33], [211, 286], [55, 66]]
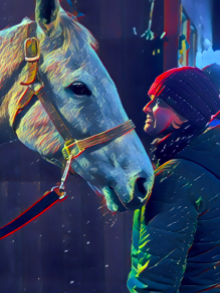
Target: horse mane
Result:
[[12, 50], [12, 62]]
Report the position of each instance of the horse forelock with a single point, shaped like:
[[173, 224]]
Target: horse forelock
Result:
[[72, 36], [76, 34], [68, 51]]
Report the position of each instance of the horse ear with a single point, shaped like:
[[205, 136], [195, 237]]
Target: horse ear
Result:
[[46, 15]]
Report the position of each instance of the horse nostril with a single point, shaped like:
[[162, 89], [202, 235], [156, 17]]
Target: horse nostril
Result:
[[140, 185], [140, 194]]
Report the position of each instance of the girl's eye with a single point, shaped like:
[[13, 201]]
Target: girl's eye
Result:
[[80, 89]]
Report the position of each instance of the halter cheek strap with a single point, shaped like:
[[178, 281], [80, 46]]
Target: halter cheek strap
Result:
[[32, 56]]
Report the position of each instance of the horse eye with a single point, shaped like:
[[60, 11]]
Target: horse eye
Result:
[[80, 89]]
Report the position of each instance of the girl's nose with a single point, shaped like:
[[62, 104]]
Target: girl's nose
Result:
[[148, 107]]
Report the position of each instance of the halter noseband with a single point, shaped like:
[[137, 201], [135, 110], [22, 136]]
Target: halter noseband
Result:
[[72, 147]]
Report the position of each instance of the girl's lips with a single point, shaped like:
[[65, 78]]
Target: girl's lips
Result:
[[149, 120]]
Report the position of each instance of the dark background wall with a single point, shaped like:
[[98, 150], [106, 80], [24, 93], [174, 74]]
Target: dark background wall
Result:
[[216, 24], [78, 246]]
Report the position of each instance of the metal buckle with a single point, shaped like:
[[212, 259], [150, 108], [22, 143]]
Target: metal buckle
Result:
[[65, 151], [71, 149], [31, 50], [62, 192]]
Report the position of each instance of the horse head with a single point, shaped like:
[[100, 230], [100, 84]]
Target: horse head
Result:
[[87, 100]]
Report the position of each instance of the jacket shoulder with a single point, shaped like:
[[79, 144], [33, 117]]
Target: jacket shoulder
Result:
[[180, 177]]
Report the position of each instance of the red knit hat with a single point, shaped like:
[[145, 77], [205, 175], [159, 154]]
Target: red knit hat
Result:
[[189, 92]]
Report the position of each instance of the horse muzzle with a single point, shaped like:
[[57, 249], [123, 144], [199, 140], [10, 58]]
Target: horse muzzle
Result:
[[131, 199]]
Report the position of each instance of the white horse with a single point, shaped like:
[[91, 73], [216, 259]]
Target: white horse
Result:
[[87, 100]]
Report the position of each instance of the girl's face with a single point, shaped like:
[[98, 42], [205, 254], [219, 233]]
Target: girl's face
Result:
[[161, 118]]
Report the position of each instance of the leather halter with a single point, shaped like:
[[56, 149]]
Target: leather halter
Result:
[[72, 148]]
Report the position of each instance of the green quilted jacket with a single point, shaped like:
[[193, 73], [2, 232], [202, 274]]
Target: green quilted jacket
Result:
[[176, 235]]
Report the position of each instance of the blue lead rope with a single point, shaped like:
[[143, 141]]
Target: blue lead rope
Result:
[[48, 200]]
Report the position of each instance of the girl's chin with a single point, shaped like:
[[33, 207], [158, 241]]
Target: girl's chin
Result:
[[146, 127], [149, 129]]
